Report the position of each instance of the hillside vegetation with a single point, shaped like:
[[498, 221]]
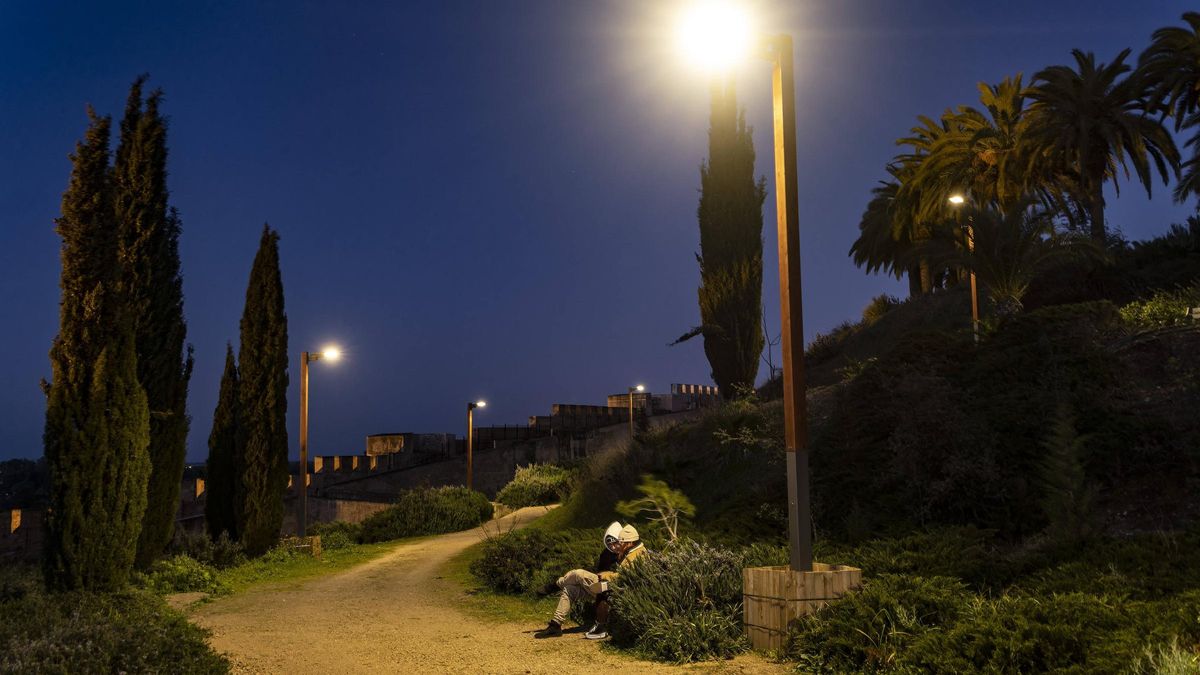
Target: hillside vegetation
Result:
[[1027, 504]]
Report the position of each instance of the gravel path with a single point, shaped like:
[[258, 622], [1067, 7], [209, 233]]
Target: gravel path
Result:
[[395, 614]]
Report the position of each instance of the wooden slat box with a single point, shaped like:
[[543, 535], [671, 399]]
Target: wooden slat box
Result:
[[774, 596]]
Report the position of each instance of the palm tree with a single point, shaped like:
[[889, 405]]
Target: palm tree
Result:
[[1170, 67], [1011, 248], [1089, 123], [879, 247]]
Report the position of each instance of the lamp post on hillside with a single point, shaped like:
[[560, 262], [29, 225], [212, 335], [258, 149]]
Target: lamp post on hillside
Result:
[[956, 201], [632, 390], [719, 35], [471, 406], [329, 354]]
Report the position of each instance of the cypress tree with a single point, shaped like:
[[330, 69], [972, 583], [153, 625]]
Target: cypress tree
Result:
[[97, 422], [730, 217], [224, 481], [153, 287], [262, 442]]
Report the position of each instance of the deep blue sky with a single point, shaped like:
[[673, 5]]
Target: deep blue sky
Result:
[[479, 198]]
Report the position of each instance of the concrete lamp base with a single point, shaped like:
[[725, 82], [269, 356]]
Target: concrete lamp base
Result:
[[772, 597]]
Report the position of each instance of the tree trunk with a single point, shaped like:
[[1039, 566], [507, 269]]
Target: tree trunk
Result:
[[1096, 215], [926, 276], [914, 281]]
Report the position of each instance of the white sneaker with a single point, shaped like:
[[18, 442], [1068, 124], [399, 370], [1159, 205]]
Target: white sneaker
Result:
[[598, 632]]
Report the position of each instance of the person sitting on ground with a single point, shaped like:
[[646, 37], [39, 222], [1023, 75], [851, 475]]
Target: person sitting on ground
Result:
[[621, 546]]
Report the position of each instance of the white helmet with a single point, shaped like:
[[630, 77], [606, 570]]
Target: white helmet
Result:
[[629, 534], [612, 535]]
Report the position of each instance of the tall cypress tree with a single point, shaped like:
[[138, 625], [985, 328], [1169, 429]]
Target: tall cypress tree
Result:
[[97, 426], [153, 287], [730, 216], [224, 478], [262, 443]]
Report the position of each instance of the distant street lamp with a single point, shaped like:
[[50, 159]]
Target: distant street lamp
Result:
[[329, 354], [718, 35], [632, 390], [957, 201], [471, 435]]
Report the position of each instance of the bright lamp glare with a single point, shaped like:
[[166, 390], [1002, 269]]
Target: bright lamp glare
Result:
[[715, 35], [331, 353], [481, 404], [641, 387], [957, 200]]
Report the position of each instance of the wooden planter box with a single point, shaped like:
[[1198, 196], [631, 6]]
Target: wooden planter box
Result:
[[772, 597], [307, 545]]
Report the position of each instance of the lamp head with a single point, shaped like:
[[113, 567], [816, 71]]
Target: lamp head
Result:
[[715, 34], [476, 404], [640, 387], [957, 200]]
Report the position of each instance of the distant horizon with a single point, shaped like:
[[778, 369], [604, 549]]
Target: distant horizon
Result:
[[493, 200]]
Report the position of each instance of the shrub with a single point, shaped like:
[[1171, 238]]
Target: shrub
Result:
[[661, 504], [428, 511], [867, 630], [78, 632], [535, 485], [335, 535], [525, 561], [1016, 634], [827, 345], [181, 574], [683, 604], [221, 553], [880, 305], [1168, 659], [967, 553], [1164, 308]]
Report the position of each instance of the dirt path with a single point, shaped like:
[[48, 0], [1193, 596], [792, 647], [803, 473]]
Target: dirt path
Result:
[[395, 614]]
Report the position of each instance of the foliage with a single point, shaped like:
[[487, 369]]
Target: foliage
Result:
[[535, 485], [730, 258], [526, 561], [221, 553], [427, 511], [665, 506], [879, 305], [97, 421], [1068, 496], [262, 445], [181, 574], [337, 534], [869, 629], [681, 604], [1171, 67], [825, 345], [83, 632], [1164, 308], [224, 480], [153, 288], [1170, 659]]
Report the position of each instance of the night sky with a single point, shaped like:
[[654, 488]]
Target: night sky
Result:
[[480, 199]]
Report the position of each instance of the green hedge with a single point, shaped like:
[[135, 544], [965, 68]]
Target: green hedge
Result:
[[82, 633], [427, 511], [535, 485]]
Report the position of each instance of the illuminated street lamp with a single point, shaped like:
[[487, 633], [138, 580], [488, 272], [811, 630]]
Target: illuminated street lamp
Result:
[[471, 406], [329, 354], [957, 201], [717, 36], [632, 390]]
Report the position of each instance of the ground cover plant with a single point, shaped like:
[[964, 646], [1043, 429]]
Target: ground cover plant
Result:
[[128, 631], [427, 511]]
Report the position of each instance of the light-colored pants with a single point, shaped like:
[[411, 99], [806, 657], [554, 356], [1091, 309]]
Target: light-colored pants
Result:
[[575, 587]]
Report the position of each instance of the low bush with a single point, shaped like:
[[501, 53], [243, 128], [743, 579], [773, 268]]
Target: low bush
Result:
[[1030, 634], [77, 632], [681, 604], [525, 561], [180, 574], [868, 630], [535, 485], [337, 534], [880, 305], [1164, 308], [221, 553], [428, 511], [968, 553]]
